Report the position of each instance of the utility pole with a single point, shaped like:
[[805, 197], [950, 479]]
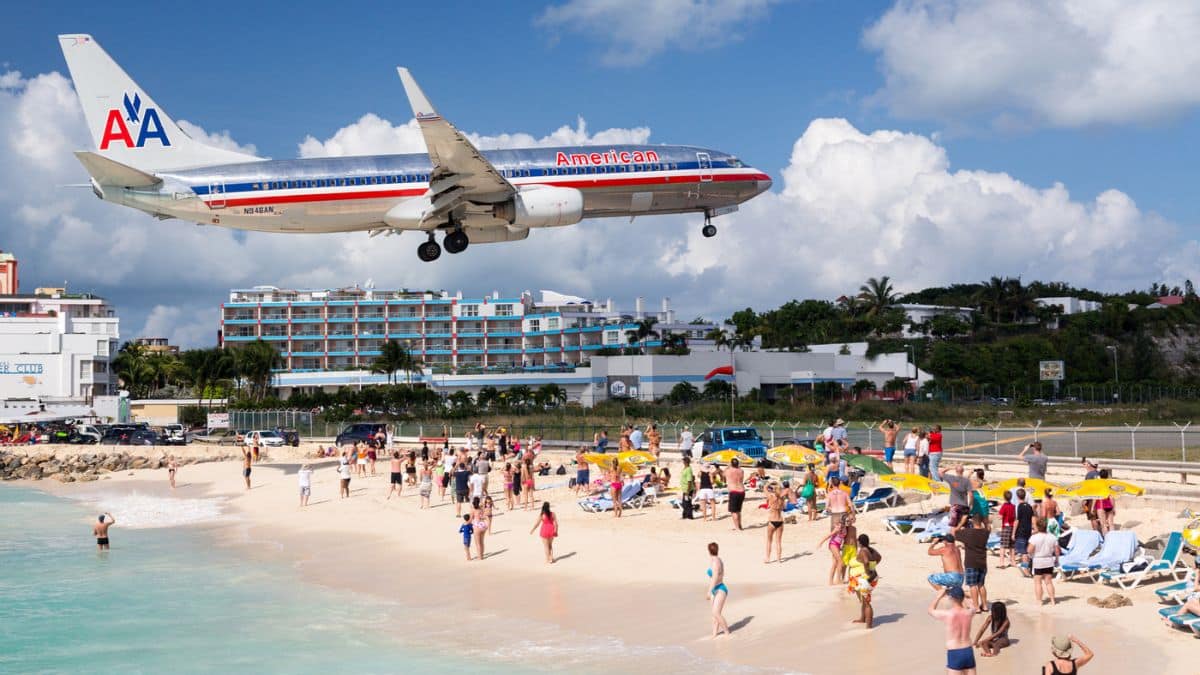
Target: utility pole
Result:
[[1116, 373]]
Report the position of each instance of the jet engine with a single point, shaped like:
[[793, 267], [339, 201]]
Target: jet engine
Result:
[[541, 207]]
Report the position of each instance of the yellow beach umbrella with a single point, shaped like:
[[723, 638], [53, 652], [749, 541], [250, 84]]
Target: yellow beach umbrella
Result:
[[637, 457], [726, 456], [1191, 533], [795, 455], [604, 462], [1035, 485], [1101, 488], [912, 482]]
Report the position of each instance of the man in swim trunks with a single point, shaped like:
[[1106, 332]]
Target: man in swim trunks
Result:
[[100, 530], [247, 458], [960, 656], [951, 575], [734, 477], [889, 429]]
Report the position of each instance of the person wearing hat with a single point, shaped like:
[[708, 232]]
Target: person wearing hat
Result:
[[1063, 663], [960, 654]]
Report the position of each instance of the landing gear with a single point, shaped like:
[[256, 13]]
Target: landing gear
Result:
[[709, 230], [456, 241], [429, 251]]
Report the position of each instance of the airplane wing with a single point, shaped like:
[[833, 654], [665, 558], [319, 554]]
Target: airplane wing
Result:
[[461, 176]]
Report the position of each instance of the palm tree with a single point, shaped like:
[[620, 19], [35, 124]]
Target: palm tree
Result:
[[487, 397], [641, 331], [877, 295], [206, 369], [255, 363], [393, 357], [720, 338], [549, 395], [134, 369], [675, 344], [990, 298]]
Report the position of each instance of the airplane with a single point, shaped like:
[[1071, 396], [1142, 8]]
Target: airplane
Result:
[[142, 159]]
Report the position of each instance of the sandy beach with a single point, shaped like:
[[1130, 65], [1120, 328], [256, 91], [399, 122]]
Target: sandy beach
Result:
[[638, 581]]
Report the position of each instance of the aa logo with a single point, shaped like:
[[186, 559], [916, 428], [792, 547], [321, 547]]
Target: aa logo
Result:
[[145, 122]]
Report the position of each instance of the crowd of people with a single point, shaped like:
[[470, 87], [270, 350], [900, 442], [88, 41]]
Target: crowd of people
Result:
[[1032, 526]]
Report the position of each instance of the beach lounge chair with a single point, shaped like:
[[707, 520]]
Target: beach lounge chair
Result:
[[1174, 593], [886, 496], [1168, 564], [1178, 619], [1119, 547], [630, 498], [905, 524], [1083, 544], [934, 527]]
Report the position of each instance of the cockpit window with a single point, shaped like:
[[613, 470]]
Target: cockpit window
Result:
[[736, 163]]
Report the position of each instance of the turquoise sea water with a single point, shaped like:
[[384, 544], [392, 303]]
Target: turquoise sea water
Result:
[[165, 600]]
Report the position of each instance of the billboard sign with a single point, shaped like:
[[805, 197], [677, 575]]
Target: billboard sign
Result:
[[1051, 371], [218, 420]]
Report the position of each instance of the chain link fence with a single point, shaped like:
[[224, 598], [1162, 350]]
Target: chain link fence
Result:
[[1179, 442]]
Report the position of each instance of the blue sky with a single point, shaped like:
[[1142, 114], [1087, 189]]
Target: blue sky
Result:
[[273, 73]]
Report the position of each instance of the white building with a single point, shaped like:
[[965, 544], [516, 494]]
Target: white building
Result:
[[1070, 305], [56, 346], [919, 314]]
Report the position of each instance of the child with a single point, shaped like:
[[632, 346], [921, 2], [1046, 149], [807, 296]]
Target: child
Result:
[[864, 578], [467, 531], [998, 623]]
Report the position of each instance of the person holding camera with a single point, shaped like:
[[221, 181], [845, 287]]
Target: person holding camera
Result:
[[890, 430]]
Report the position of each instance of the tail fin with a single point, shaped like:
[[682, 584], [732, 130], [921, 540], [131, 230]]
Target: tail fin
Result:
[[127, 125]]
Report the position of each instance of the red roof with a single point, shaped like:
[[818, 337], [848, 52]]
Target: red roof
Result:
[[1171, 300]]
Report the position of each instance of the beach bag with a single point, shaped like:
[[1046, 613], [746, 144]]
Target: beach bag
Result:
[[562, 470], [1136, 565], [979, 505], [808, 491]]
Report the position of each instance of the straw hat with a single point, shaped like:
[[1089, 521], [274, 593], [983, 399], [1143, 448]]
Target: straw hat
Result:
[[1061, 646], [839, 422]]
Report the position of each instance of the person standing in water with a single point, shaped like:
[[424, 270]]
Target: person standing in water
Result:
[[960, 655], [547, 528], [100, 530], [718, 592]]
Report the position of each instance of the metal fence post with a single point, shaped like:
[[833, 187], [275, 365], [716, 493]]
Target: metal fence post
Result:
[[1036, 429], [771, 426], [1182, 438], [962, 446], [996, 438], [870, 434], [1133, 437], [1075, 436]]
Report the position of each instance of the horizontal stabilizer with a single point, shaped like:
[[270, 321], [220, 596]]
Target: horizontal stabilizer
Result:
[[111, 172]]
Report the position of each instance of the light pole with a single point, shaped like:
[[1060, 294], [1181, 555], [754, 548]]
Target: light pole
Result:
[[1116, 373], [912, 359]]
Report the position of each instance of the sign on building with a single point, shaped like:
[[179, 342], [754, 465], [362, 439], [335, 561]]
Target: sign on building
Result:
[[218, 421], [1051, 371]]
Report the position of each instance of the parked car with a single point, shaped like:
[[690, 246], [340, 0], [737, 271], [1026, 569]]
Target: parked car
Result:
[[118, 434], [217, 436], [358, 432], [87, 433], [264, 437], [742, 439], [291, 437], [144, 437], [174, 434]]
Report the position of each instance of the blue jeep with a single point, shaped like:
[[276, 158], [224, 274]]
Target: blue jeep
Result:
[[742, 439]]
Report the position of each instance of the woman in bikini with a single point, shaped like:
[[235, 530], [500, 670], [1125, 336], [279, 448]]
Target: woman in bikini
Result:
[[615, 484], [547, 528], [997, 623], [488, 511], [172, 467], [836, 539], [775, 505], [510, 501], [527, 484], [1063, 663], [479, 523], [718, 592], [411, 467]]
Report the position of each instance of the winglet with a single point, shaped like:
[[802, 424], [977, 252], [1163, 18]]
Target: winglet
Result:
[[421, 107]]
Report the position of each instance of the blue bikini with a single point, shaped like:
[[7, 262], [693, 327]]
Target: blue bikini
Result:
[[719, 587]]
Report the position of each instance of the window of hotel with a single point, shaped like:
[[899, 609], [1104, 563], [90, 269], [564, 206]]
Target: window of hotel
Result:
[[102, 348], [470, 310], [551, 324], [535, 325], [504, 310], [85, 368], [612, 337]]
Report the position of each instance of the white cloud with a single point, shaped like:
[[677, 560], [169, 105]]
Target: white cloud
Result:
[[855, 205], [372, 134], [1039, 62], [194, 325], [637, 30], [217, 139]]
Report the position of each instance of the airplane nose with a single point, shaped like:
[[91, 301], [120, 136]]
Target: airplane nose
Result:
[[762, 186]]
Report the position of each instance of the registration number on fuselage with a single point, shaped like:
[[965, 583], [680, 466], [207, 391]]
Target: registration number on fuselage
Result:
[[259, 211]]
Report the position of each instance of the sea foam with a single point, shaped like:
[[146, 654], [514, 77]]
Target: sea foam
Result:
[[139, 511]]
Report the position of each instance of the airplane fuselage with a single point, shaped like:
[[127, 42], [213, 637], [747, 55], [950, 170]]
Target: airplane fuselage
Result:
[[339, 194]]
